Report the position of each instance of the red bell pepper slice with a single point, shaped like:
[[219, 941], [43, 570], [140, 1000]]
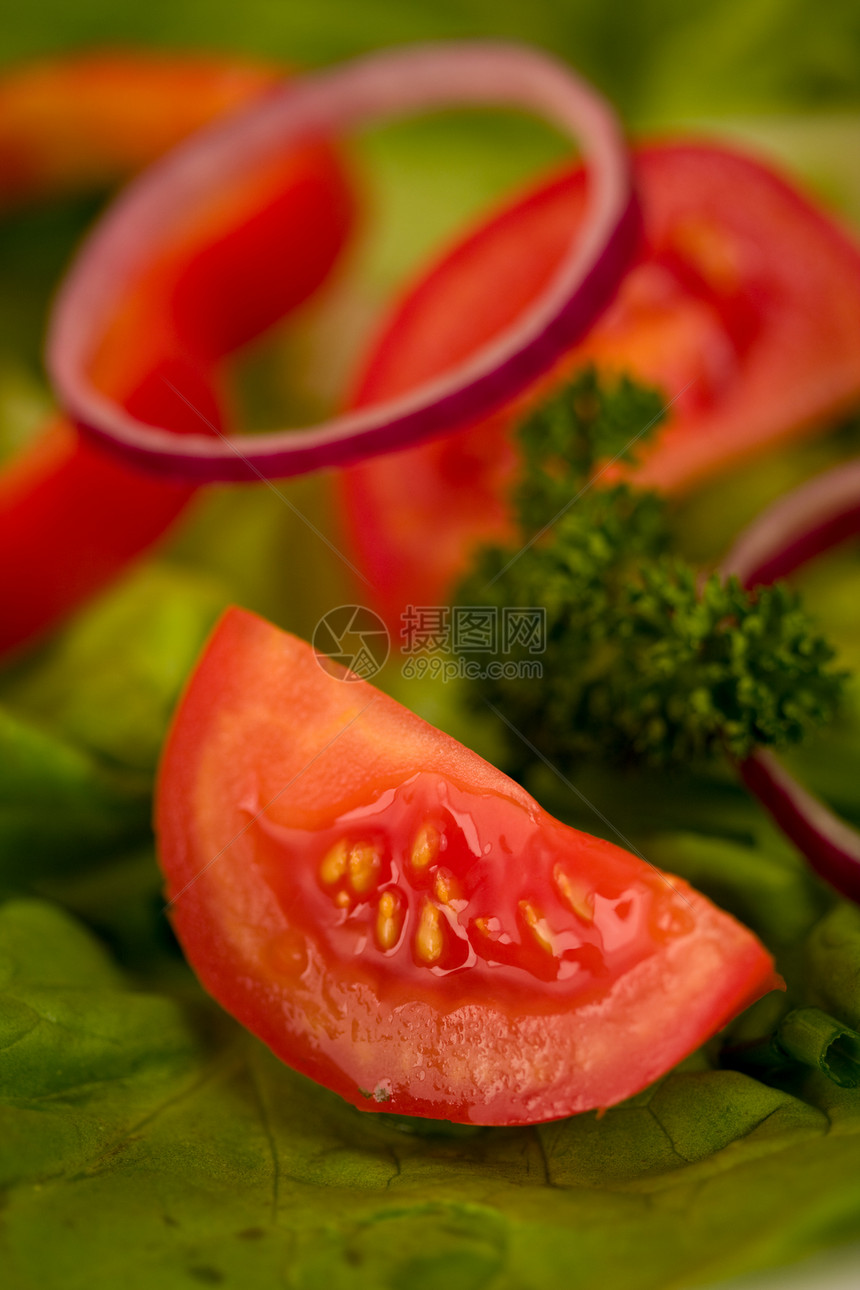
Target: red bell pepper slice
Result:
[[71, 516]]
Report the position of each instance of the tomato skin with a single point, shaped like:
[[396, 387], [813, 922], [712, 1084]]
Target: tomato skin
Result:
[[72, 514], [558, 972], [743, 306]]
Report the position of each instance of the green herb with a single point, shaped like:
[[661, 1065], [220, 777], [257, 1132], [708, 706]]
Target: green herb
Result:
[[641, 663]]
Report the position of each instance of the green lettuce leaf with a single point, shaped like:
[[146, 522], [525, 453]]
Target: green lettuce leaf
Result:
[[158, 1143], [109, 681], [82, 721], [59, 804]]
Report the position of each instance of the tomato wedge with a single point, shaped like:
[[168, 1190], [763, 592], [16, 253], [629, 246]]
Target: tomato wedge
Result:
[[72, 514], [743, 306], [400, 921]]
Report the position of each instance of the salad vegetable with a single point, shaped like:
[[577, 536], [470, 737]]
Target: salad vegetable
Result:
[[156, 1144], [742, 306], [582, 282], [145, 1135], [75, 515], [399, 920], [645, 662], [808, 521], [89, 120]]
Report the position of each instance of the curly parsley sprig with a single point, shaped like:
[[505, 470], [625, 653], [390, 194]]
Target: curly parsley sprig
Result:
[[643, 661]]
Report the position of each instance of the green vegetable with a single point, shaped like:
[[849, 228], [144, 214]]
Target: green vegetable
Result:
[[641, 664], [110, 679], [59, 804], [811, 1037], [201, 1161], [81, 722], [805, 1037], [832, 960], [158, 1143], [767, 885]]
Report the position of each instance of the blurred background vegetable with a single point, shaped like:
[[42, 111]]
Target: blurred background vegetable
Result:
[[160, 1144]]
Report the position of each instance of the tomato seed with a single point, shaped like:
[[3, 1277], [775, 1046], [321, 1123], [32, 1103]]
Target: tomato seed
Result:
[[425, 848], [447, 888], [389, 921], [429, 941], [334, 865], [537, 925], [578, 900], [364, 866]]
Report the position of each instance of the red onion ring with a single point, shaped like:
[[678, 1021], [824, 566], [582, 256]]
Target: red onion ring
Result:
[[805, 523], [830, 845], [383, 85]]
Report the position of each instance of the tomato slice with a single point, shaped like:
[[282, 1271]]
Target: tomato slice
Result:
[[743, 306], [72, 514], [403, 923]]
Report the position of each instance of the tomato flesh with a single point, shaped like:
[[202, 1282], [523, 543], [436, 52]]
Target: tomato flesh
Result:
[[403, 923], [402, 887], [743, 306]]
